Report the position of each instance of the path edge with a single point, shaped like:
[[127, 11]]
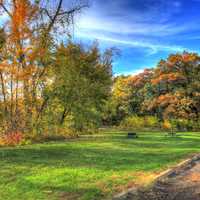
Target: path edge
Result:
[[185, 164]]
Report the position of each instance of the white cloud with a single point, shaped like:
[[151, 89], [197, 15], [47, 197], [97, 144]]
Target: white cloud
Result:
[[131, 72], [147, 26], [121, 26], [152, 47], [142, 17]]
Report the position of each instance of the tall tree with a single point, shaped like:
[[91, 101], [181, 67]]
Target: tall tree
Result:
[[81, 83], [26, 56]]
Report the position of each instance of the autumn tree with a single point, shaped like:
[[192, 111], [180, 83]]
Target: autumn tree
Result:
[[128, 94], [30, 34], [176, 87], [170, 91]]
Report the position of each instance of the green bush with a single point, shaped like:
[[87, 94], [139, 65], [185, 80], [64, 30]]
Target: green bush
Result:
[[136, 122], [181, 124], [184, 125], [151, 122]]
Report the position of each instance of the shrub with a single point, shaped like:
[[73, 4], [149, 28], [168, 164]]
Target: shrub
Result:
[[133, 122], [185, 124], [151, 122], [57, 134], [166, 125], [136, 122], [194, 125], [12, 139], [179, 125]]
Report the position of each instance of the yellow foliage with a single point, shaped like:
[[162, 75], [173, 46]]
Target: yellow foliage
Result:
[[166, 125]]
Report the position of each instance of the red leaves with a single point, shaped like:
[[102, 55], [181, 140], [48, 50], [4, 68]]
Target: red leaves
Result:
[[139, 80], [11, 139]]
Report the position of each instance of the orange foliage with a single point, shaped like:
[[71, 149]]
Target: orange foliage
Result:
[[20, 13], [190, 57], [23, 14], [11, 139], [164, 100], [166, 125], [140, 79], [170, 77]]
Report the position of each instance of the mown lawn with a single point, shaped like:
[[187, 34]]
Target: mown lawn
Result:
[[90, 168]]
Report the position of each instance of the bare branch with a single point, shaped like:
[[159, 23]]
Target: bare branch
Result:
[[61, 14], [48, 14], [55, 16], [76, 9], [5, 9]]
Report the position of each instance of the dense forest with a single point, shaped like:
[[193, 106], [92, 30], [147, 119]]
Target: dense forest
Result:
[[50, 86]]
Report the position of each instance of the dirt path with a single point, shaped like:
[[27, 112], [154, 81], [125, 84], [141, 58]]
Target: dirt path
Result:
[[182, 183]]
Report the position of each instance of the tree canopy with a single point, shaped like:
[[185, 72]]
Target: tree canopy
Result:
[[169, 91]]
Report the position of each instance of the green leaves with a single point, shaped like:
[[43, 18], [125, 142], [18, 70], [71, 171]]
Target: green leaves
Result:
[[82, 81]]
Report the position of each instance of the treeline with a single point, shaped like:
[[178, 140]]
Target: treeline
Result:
[[167, 96]]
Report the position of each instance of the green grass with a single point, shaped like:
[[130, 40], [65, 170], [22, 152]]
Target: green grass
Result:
[[91, 168]]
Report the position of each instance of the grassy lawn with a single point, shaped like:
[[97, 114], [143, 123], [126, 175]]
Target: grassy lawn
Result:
[[90, 168]]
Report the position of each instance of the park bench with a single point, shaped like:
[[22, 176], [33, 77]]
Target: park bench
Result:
[[132, 135]]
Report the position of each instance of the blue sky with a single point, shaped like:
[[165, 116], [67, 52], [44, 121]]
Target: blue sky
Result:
[[144, 30]]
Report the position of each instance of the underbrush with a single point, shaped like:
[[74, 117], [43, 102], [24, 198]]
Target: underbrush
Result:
[[17, 138], [140, 123], [58, 136], [13, 138]]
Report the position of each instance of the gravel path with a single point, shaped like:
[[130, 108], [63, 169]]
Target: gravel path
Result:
[[182, 183]]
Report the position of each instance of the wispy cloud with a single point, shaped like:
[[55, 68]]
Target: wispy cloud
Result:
[[124, 26], [152, 47], [141, 17], [147, 24], [145, 29]]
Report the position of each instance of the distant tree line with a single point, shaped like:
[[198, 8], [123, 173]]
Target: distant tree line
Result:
[[170, 92]]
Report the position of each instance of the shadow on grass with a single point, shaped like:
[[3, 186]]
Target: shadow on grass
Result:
[[145, 153]]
